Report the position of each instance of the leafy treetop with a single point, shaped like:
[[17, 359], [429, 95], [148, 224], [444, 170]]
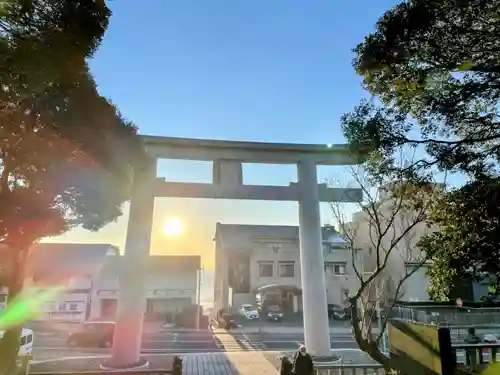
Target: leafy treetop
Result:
[[436, 62], [466, 246]]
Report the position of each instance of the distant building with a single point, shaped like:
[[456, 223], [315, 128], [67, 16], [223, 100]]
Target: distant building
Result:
[[171, 285], [90, 273], [404, 257], [263, 262]]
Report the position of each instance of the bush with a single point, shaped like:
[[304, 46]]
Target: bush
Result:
[[286, 366]]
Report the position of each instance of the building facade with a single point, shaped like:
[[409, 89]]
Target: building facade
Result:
[[392, 238], [171, 285], [261, 263], [65, 272], [82, 282]]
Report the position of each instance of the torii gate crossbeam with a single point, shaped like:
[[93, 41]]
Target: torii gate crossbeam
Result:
[[227, 183]]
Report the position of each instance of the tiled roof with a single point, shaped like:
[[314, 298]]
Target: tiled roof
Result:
[[60, 260]]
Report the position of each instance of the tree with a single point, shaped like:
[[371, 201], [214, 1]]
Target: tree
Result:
[[382, 238], [466, 246], [434, 68], [67, 156], [433, 71]]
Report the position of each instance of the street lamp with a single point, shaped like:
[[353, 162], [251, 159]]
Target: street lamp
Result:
[[198, 297]]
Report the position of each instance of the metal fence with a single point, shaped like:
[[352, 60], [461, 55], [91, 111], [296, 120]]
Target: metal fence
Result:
[[449, 317]]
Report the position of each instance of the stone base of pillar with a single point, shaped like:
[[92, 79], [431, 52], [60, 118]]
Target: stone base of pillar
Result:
[[324, 360], [141, 365]]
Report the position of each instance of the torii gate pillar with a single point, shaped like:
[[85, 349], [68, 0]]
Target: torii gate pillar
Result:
[[227, 158]]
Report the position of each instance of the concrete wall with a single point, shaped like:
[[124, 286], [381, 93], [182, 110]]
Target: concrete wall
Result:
[[263, 252]]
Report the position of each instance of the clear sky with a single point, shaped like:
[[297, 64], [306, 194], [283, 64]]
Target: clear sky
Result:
[[261, 70]]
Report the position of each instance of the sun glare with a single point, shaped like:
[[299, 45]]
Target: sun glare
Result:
[[173, 227]]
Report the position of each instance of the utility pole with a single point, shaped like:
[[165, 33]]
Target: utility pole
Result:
[[381, 331], [198, 299]]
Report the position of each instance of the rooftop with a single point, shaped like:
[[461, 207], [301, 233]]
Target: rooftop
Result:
[[52, 262], [63, 260], [243, 235]]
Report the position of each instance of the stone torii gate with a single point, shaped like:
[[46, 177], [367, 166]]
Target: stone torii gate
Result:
[[227, 158]]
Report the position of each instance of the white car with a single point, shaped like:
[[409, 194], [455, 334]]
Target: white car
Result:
[[490, 338], [248, 311]]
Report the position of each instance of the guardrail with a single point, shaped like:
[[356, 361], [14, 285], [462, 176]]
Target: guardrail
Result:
[[456, 318], [134, 372], [478, 354], [175, 370], [334, 368], [349, 369]]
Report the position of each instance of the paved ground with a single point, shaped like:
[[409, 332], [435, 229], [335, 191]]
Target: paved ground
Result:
[[240, 360]]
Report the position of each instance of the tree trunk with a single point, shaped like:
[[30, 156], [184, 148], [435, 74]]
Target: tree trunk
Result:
[[366, 342], [11, 340]]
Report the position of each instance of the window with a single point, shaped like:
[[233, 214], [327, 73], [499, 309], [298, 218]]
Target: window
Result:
[[3, 298], [266, 269], [345, 295], [62, 306], [335, 268], [287, 269], [25, 340], [73, 306]]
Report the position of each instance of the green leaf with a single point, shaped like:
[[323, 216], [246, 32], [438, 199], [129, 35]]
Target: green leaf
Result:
[[465, 66]]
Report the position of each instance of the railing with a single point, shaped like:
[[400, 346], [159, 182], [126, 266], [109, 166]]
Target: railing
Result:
[[456, 318], [349, 369], [134, 372], [175, 370], [473, 355]]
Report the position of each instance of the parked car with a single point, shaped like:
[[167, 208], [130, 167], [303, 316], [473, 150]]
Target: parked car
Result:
[[473, 339], [490, 338], [93, 334], [248, 311], [274, 313], [337, 312]]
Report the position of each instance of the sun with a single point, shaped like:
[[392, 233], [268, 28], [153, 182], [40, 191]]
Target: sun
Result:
[[173, 227]]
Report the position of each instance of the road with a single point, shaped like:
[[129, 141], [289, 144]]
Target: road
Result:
[[206, 342], [49, 346], [54, 347]]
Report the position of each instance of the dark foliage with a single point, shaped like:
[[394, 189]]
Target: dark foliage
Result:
[[436, 61], [67, 156], [466, 246]]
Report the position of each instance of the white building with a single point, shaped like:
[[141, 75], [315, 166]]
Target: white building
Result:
[[400, 241], [263, 261], [171, 284], [82, 281]]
